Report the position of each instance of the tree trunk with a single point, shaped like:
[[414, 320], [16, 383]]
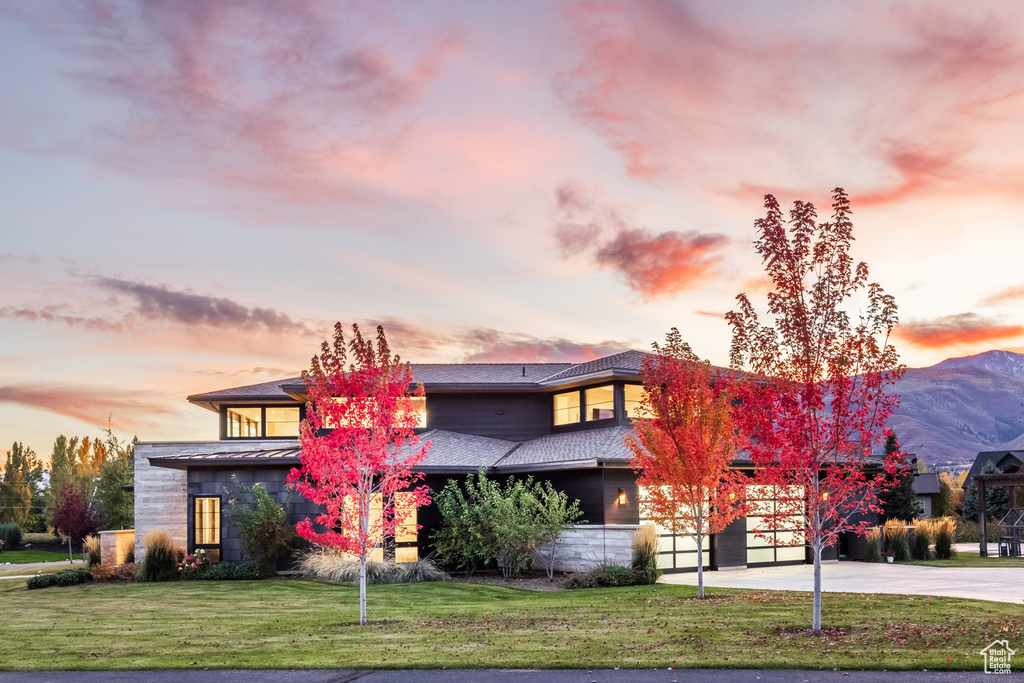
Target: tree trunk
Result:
[[551, 561], [816, 622], [700, 555], [71, 558]]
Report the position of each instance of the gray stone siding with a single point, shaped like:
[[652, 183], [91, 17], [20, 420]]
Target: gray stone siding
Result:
[[586, 547], [161, 493]]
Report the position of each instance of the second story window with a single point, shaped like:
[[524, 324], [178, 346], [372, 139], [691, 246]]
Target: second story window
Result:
[[634, 396], [567, 408], [283, 421], [600, 403], [244, 422]]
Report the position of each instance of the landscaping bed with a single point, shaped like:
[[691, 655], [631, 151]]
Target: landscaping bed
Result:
[[304, 624]]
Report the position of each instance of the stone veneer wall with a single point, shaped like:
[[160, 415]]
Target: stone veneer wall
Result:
[[586, 547], [161, 495]]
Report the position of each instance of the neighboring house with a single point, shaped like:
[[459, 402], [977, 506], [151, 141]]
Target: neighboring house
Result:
[[926, 485], [562, 422], [1009, 462]]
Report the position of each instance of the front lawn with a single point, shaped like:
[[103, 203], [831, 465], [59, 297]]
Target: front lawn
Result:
[[303, 624], [27, 556]]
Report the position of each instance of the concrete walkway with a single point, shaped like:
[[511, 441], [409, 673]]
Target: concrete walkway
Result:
[[1000, 584]]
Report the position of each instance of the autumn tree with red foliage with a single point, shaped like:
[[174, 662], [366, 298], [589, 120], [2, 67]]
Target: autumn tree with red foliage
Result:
[[684, 445], [73, 517], [814, 407], [359, 447]]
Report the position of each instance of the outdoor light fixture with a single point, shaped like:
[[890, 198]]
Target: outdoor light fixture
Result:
[[622, 497], [824, 495]]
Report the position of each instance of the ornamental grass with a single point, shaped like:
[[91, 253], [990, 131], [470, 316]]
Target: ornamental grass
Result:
[[161, 560], [873, 552], [895, 532], [91, 545], [922, 539], [645, 553], [944, 528]]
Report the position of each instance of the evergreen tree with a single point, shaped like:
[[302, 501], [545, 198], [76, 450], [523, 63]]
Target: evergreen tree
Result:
[[899, 500], [116, 473], [997, 500], [944, 504]]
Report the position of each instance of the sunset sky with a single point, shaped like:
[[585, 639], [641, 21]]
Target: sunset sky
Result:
[[192, 192]]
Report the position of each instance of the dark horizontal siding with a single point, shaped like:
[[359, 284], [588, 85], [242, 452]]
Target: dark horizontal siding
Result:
[[514, 417]]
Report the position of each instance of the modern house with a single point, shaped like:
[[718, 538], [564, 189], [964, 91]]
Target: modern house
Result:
[[562, 422]]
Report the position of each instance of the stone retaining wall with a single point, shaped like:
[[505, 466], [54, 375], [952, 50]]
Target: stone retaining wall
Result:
[[586, 547]]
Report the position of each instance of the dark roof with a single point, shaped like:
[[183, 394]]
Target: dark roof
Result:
[[450, 452], [926, 483], [456, 376], [1005, 460], [263, 390], [627, 362]]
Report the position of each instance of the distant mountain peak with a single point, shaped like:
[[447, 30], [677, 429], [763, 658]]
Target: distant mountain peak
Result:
[[1004, 362]]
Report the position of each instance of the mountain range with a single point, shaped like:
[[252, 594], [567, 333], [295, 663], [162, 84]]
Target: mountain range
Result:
[[952, 410]]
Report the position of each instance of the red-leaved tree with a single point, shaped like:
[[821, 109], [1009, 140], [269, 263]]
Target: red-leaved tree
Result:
[[684, 444], [814, 407], [359, 448], [73, 517]]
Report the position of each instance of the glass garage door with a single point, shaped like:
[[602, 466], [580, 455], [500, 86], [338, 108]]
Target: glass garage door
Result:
[[675, 552], [773, 546]]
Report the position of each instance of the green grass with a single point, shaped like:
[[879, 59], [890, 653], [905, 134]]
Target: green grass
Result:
[[971, 560], [27, 556], [304, 624]]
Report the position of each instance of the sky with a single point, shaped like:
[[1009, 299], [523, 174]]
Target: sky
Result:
[[192, 193]]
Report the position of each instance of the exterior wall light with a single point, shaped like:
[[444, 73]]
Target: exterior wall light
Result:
[[621, 500]]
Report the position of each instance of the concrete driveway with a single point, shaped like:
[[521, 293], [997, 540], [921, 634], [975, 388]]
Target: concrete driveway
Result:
[[1000, 584]]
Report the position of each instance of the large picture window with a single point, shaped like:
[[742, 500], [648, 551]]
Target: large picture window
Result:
[[244, 423], [600, 403], [283, 421]]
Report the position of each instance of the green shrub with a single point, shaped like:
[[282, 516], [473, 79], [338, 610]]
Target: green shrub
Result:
[[645, 554], [606, 576], [581, 580], [967, 531], [63, 578], [233, 572], [10, 534], [161, 560], [261, 522], [129, 557], [40, 539]]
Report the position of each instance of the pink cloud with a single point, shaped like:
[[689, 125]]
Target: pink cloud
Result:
[[654, 265], [132, 408], [281, 99], [955, 330], [890, 101], [1008, 294]]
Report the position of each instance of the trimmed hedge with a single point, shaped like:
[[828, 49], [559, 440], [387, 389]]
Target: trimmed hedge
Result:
[[233, 572], [63, 578]]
